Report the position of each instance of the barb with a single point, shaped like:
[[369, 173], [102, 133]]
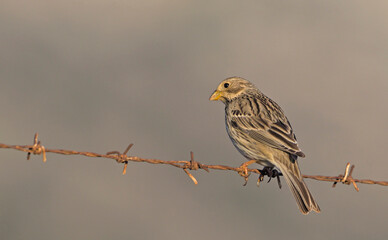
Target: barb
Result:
[[122, 158], [38, 149]]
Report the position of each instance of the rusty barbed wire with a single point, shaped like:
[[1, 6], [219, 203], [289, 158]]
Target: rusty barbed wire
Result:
[[37, 149]]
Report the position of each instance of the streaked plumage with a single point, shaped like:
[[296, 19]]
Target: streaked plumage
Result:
[[260, 131]]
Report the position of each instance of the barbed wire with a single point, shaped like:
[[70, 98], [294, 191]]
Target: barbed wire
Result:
[[38, 149]]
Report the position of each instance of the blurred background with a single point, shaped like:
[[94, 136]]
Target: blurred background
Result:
[[98, 75]]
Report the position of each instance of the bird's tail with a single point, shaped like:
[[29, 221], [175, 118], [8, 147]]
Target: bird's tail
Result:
[[298, 187]]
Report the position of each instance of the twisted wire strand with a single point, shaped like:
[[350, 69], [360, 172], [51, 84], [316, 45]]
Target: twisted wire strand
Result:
[[38, 149]]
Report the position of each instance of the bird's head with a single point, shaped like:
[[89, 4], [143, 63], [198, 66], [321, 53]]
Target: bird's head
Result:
[[231, 88]]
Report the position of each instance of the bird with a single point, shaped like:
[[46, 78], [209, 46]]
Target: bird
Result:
[[261, 132]]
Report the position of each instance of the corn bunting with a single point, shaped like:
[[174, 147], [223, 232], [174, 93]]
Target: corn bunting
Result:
[[262, 133]]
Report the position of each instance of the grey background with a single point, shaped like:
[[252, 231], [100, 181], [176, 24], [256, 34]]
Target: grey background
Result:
[[98, 75]]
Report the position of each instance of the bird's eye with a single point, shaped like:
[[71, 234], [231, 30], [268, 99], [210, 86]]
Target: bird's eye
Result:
[[226, 85]]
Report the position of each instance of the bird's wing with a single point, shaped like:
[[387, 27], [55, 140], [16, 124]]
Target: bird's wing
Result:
[[275, 131]]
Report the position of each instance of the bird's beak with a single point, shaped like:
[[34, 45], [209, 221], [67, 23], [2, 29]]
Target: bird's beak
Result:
[[215, 96]]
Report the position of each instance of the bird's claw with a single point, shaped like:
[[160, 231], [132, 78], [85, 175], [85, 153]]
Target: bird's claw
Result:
[[243, 171]]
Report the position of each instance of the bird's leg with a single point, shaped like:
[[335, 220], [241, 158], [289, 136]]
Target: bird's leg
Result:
[[244, 170]]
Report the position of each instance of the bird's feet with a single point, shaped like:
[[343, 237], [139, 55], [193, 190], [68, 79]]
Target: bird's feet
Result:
[[271, 173], [243, 170]]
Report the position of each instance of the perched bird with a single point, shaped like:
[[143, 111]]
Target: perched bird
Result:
[[262, 133]]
